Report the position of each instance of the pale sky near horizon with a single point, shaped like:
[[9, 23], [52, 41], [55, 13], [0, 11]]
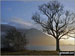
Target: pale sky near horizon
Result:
[[19, 13]]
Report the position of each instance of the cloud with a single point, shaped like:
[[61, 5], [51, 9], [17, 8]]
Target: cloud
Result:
[[21, 21]]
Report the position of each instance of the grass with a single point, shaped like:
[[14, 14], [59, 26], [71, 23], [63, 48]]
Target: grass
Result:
[[30, 52]]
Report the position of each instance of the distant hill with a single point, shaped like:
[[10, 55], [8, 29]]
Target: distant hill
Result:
[[34, 36], [5, 27], [37, 37]]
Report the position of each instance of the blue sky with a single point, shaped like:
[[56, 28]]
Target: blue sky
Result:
[[19, 13]]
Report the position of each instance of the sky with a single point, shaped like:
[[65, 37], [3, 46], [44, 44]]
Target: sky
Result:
[[19, 13]]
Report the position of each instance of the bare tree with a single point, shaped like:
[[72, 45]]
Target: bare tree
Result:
[[15, 39], [55, 21]]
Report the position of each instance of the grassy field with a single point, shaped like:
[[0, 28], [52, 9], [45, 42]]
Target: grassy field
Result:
[[29, 52], [33, 53]]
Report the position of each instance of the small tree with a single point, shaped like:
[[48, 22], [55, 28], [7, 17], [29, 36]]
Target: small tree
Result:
[[57, 22], [15, 40]]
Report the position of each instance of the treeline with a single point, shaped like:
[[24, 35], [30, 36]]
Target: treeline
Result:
[[14, 40]]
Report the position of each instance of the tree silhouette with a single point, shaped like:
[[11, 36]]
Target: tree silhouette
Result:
[[14, 39], [55, 21]]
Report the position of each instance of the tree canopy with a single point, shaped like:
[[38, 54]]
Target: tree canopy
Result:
[[14, 39]]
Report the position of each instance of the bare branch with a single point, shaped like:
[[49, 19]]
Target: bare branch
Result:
[[66, 33], [65, 38], [58, 22]]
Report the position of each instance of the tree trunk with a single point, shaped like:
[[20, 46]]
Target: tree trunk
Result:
[[57, 45]]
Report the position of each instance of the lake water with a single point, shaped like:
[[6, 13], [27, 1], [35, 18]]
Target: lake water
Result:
[[51, 48]]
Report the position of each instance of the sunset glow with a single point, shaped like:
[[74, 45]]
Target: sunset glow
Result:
[[70, 41]]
